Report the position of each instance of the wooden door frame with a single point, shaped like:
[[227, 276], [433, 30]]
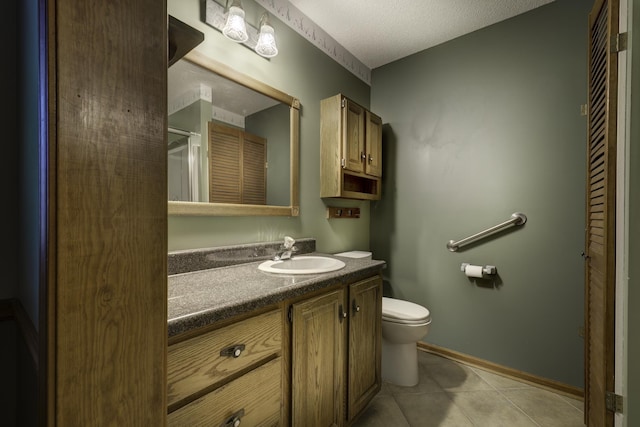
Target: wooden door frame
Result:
[[622, 231]]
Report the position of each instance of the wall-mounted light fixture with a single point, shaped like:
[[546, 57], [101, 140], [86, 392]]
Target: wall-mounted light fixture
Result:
[[231, 22], [234, 27], [266, 45]]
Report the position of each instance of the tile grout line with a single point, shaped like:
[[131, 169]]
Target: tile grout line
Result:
[[518, 408], [393, 395], [504, 397], [449, 394], [526, 386]]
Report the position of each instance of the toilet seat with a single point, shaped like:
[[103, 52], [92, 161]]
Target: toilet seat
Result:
[[404, 312]]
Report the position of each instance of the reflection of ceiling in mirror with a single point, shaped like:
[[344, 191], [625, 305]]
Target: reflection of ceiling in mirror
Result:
[[188, 82]]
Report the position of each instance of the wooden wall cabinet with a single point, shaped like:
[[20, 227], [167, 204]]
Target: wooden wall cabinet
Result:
[[350, 150], [335, 354], [230, 374]]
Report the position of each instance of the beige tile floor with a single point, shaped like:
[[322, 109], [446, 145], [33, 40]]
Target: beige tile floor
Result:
[[452, 394]]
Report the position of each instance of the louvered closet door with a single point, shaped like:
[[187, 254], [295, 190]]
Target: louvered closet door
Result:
[[254, 172], [237, 166], [600, 214], [225, 170]]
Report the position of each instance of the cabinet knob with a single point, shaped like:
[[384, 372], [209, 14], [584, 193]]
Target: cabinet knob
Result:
[[370, 158], [363, 156], [355, 307], [233, 420], [233, 351], [342, 314]]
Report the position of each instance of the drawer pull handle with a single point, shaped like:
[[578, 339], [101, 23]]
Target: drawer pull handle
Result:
[[233, 420], [233, 351]]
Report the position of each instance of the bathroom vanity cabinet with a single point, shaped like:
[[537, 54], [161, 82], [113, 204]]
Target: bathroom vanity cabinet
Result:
[[350, 150], [269, 349], [335, 353], [239, 371], [229, 374]]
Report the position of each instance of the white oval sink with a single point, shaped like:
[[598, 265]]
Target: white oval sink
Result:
[[310, 264]]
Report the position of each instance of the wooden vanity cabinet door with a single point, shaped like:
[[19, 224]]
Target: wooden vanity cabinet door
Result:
[[365, 335], [318, 357]]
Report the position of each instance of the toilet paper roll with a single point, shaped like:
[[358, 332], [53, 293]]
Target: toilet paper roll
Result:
[[473, 271]]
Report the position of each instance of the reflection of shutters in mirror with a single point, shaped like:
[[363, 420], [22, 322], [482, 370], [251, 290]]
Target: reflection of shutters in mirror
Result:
[[600, 213], [253, 170], [237, 161]]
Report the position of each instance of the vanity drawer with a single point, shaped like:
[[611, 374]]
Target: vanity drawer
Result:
[[255, 397], [196, 366]]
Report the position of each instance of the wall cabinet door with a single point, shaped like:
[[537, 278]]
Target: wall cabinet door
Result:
[[318, 355], [362, 140], [373, 144], [353, 140], [365, 334]]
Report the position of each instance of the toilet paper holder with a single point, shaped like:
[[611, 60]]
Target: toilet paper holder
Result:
[[487, 269]]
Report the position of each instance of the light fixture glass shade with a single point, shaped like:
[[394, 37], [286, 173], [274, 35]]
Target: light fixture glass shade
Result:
[[266, 45], [235, 27]]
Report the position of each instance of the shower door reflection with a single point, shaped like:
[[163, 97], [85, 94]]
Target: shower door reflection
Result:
[[183, 170]]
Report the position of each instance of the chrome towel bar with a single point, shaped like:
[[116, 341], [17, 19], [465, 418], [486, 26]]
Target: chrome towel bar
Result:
[[517, 218]]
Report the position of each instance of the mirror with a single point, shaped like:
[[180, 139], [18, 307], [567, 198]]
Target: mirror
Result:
[[233, 142]]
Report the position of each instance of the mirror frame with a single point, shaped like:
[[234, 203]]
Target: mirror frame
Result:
[[234, 209]]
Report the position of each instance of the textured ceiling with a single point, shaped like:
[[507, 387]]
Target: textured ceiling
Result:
[[378, 32]]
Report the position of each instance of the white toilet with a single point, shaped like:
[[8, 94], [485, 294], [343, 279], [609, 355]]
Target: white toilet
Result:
[[403, 324]]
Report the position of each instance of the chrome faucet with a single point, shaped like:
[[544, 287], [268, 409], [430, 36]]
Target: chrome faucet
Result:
[[286, 250]]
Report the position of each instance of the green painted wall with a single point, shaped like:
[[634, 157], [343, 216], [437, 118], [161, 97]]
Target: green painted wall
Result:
[[476, 129], [303, 71], [270, 124]]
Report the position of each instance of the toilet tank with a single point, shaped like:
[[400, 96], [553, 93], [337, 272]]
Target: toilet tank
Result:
[[355, 254]]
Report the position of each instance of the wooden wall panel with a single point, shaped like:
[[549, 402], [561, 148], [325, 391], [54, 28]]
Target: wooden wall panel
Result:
[[110, 198]]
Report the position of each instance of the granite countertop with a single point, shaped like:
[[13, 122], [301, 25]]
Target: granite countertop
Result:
[[199, 298]]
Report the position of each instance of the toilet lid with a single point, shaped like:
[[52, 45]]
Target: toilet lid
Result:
[[401, 311]]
